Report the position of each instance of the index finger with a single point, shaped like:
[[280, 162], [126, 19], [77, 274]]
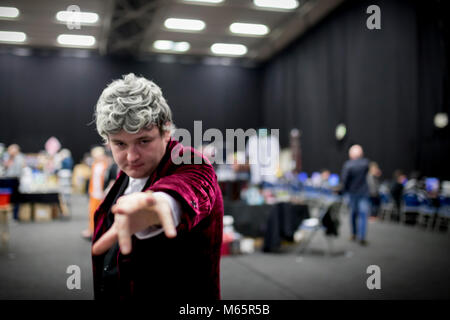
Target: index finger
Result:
[[167, 224], [123, 233]]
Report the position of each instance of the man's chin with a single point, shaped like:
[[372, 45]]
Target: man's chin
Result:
[[136, 174]]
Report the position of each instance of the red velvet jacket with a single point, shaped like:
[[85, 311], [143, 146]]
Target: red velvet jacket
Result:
[[186, 267]]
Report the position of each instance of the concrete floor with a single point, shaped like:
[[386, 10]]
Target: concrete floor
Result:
[[414, 264]]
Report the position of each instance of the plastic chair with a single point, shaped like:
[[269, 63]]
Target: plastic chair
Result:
[[326, 221], [443, 213], [387, 206], [427, 212], [410, 205]]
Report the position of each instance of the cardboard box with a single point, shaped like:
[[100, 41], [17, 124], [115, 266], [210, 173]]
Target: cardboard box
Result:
[[25, 212], [43, 212]]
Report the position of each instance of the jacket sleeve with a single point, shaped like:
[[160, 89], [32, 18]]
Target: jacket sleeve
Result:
[[345, 177], [194, 186]]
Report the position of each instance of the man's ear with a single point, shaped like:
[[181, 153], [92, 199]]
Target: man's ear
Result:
[[167, 134]]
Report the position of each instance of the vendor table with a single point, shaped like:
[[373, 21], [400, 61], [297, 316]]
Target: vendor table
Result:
[[52, 198], [273, 222]]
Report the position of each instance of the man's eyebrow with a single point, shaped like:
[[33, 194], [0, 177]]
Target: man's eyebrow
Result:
[[146, 136]]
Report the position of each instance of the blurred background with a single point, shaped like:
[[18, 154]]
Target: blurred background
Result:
[[327, 74]]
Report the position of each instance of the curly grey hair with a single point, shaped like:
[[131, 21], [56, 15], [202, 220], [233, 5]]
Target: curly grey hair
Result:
[[132, 103]]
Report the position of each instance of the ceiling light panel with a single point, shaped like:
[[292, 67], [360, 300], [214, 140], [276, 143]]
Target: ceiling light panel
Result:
[[76, 40], [12, 36], [74, 16], [277, 4], [184, 24], [167, 45], [249, 28], [205, 1], [228, 49], [9, 12]]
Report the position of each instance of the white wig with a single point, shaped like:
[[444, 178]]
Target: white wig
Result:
[[132, 104]]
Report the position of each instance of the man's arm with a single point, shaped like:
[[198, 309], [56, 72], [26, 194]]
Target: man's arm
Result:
[[194, 187], [155, 230], [133, 213]]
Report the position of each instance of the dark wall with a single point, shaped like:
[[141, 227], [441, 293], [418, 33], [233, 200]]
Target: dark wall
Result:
[[46, 95], [385, 85]]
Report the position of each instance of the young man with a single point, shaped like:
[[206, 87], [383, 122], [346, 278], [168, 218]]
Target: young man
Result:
[[158, 232]]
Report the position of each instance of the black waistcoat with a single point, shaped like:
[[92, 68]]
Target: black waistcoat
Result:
[[109, 288]]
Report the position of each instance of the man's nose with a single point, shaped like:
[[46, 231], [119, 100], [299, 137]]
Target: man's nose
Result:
[[132, 155]]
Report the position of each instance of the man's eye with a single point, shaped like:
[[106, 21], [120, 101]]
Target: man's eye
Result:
[[145, 141]]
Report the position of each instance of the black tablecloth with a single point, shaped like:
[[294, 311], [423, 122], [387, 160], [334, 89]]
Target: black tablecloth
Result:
[[250, 221], [273, 222], [283, 221], [38, 198]]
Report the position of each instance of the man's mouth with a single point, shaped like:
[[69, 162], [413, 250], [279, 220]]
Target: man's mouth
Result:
[[135, 166]]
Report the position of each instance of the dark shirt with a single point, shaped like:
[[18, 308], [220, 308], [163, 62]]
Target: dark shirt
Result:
[[354, 176], [397, 192]]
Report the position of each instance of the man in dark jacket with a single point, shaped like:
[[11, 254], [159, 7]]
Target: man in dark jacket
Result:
[[354, 182], [158, 232]]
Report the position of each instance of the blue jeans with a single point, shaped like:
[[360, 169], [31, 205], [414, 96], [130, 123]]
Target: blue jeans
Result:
[[360, 209]]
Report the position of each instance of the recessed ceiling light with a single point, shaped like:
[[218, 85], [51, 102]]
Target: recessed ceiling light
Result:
[[74, 16], [229, 49], [276, 4], [9, 12], [249, 28], [184, 24], [76, 40], [205, 1], [167, 45], [12, 36]]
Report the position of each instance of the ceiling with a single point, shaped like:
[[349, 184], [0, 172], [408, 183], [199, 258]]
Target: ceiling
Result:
[[131, 26]]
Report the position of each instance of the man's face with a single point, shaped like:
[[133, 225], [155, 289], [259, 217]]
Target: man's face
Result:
[[138, 154]]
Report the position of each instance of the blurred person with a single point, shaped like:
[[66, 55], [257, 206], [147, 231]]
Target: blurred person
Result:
[[81, 176], [64, 173], [96, 184], [397, 188], [373, 181], [414, 183], [14, 165], [15, 162], [324, 178], [65, 158], [158, 233], [354, 183]]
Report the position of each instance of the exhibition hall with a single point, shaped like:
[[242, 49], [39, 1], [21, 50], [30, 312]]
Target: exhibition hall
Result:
[[208, 150]]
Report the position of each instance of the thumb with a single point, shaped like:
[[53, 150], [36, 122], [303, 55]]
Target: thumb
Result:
[[105, 242]]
